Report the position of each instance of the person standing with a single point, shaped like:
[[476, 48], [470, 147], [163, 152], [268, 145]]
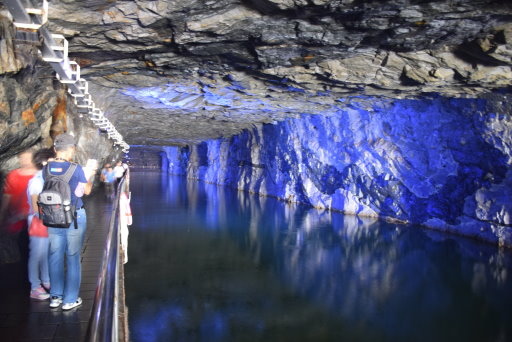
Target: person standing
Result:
[[103, 175], [119, 172], [38, 234], [14, 211], [126, 174], [66, 243], [125, 216], [110, 180], [14, 208]]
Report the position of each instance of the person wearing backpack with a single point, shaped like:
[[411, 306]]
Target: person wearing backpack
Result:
[[38, 275], [65, 244]]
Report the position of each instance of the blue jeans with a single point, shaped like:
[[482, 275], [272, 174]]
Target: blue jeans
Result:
[[66, 244], [38, 262]]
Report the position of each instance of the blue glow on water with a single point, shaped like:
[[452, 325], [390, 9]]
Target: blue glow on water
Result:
[[211, 264]]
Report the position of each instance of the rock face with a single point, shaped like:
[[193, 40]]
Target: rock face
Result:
[[397, 109], [443, 163], [27, 95], [34, 107], [179, 72]]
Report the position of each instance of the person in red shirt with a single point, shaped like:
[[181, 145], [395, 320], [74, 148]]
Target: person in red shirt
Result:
[[14, 208]]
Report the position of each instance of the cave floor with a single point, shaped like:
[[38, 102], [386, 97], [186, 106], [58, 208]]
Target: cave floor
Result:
[[22, 318]]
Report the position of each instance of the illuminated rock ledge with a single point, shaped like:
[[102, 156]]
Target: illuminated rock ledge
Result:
[[442, 163]]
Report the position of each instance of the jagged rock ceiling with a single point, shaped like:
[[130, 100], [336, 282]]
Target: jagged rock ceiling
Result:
[[182, 71]]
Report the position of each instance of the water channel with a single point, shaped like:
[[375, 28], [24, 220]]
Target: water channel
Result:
[[208, 263]]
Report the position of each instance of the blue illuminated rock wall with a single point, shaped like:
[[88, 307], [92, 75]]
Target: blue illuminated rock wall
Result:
[[443, 163]]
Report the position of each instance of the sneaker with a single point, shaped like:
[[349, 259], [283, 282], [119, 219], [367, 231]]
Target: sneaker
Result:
[[39, 294], [55, 302], [69, 306]]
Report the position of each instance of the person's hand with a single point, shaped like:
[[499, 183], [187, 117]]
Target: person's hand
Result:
[[90, 169], [89, 173]]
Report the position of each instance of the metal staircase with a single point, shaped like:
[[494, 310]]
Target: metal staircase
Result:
[[54, 49]]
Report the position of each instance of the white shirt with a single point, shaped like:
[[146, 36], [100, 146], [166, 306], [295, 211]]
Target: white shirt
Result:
[[35, 186], [119, 171]]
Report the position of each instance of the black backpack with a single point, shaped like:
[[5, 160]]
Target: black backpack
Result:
[[55, 207]]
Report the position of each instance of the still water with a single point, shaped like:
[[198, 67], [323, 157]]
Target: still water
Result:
[[207, 263]]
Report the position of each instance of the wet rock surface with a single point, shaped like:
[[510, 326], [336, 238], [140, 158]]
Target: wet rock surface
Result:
[[27, 95], [185, 71], [444, 163], [34, 107], [398, 109]]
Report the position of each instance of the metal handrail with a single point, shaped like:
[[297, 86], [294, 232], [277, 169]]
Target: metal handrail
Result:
[[103, 324], [68, 72]]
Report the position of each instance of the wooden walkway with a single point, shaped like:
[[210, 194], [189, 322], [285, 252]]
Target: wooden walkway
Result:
[[24, 319]]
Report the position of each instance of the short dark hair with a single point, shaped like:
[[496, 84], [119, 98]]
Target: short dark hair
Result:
[[64, 140], [63, 148], [41, 156]]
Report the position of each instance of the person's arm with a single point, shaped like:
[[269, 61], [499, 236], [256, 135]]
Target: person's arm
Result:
[[83, 189], [33, 199], [84, 186], [88, 187], [35, 186]]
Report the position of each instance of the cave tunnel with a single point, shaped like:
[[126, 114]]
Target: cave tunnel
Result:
[[306, 170]]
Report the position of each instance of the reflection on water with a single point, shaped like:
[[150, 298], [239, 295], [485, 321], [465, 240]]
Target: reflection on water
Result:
[[212, 264]]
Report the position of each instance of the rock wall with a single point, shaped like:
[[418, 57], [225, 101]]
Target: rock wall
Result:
[[34, 106], [442, 163], [143, 158], [210, 69]]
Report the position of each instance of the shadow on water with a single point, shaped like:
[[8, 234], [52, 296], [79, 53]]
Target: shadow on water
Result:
[[209, 263]]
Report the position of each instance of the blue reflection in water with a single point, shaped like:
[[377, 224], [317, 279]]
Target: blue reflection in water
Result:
[[212, 264]]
